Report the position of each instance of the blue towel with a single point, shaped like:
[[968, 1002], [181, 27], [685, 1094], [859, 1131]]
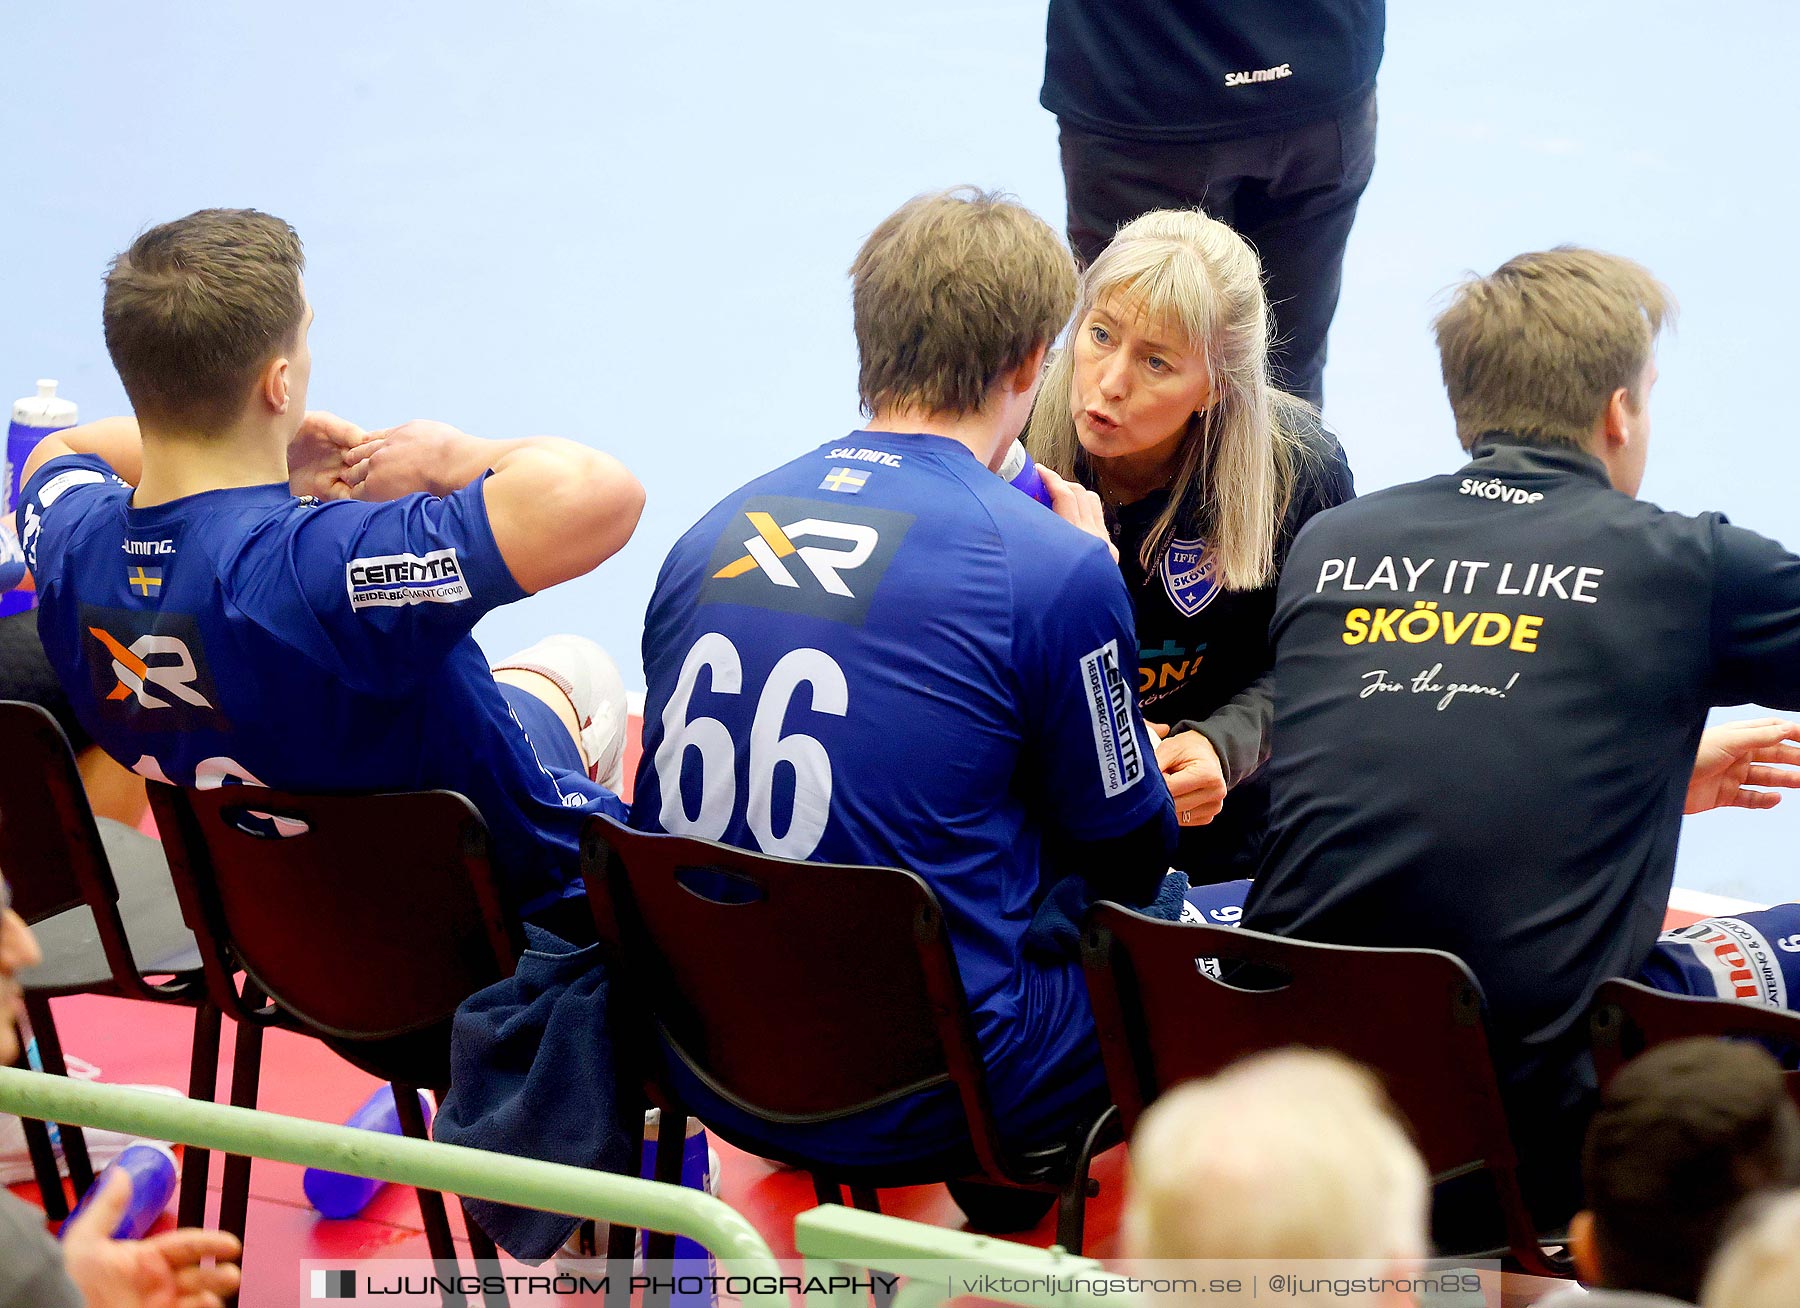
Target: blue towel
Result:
[[1054, 935], [532, 1074]]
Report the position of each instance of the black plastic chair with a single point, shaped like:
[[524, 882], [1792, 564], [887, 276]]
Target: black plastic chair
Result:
[[1164, 1018], [107, 926], [1627, 1018], [360, 920], [821, 991]]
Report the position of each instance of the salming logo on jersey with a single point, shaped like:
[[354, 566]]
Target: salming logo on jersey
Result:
[[391, 581], [786, 554], [149, 668], [1252, 76]]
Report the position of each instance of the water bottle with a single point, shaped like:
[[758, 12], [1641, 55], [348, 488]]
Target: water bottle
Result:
[[337, 1195], [151, 1167], [33, 418], [691, 1258], [1019, 469]]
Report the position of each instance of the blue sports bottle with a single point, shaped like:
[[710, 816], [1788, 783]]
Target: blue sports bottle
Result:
[[691, 1259], [33, 418], [1019, 468], [151, 1166], [337, 1195]]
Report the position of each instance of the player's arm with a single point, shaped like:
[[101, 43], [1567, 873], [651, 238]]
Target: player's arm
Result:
[[116, 440], [1128, 868], [557, 509], [1112, 820]]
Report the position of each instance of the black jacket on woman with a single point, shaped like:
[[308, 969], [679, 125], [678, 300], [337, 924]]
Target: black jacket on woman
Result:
[[1204, 654]]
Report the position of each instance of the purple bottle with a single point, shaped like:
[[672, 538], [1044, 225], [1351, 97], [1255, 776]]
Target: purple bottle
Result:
[[337, 1195], [151, 1167], [1019, 469]]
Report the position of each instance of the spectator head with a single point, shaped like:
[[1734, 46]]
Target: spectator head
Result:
[[1557, 348], [1294, 1154], [1759, 1264], [1171, 344], [206, 318], [954, 295], [18, 951], [1683, 1134]]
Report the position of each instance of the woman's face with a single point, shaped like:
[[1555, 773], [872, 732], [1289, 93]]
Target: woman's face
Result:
[[1136, 383]]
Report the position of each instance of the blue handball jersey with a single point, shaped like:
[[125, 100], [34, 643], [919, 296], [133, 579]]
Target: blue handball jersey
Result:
[[882, 653], [246, 636]]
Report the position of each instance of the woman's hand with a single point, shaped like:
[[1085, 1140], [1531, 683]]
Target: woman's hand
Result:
[[1075, 503], [1192, 771]]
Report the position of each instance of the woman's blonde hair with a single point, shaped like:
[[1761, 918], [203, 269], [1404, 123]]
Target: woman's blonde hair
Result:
[[1238, 460]]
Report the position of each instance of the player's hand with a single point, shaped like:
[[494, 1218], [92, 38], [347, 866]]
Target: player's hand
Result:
[[1195, 777], [164, 1271], [1073, 502], [328, 456], [1736, 758], [412, 457]]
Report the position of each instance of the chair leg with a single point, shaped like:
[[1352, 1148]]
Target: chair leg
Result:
[[864, 1197], [1071, 1205], [431, 1204], [487, 1261], [826, 1190], [621, 1238], [246, 1075], [203, 1084], [74, 1143], [43, 1155], [44, 1169], [659, 1246]]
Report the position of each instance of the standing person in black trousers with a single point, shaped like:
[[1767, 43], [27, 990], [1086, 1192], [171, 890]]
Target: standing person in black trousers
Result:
[[1260, 112]]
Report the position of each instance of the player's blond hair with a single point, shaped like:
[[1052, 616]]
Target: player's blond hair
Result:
[[950, 292], [1237, 463], [1537, 347], [1759, 1267], [1294, 1154]]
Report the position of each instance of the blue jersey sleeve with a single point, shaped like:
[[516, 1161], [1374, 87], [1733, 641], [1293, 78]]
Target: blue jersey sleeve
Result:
[[58, 496], [384, 590], [1076, 653], [12, 557]]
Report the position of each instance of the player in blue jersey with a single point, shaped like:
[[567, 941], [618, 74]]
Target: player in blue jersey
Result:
[[882, 653], [236, 591]]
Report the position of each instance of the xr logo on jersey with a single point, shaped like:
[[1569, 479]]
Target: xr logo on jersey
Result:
[[778, 553], [155, 671]]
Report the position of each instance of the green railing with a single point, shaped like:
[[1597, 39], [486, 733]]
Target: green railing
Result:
[[452, 1169], [847, 1243]]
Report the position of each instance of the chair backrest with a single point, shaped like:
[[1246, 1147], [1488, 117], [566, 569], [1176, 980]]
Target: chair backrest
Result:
[[1627, 1018], [50, 848], [798, 992], [362, 917], [1411, 1015]]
